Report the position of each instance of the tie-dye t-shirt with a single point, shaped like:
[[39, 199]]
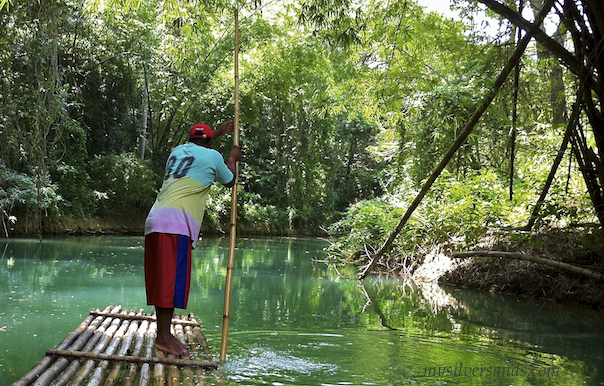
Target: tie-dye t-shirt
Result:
[[181, 202]]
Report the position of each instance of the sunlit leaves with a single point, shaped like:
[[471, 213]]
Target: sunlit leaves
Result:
[[5, 3], [338, 21]]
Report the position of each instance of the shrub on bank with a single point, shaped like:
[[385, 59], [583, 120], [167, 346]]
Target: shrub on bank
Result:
[[22, 198], [454, 213], [122, 183]]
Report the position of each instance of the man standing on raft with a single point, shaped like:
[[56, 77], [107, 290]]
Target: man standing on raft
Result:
[[173, 224]]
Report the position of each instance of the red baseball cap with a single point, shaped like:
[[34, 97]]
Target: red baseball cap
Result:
[[201, 130]]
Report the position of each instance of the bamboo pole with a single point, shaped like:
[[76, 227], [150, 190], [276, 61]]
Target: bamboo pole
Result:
[[512, 62], [203, 343], [82, 374], [231, 262], [43, 366], [116, 311], [150, 318], [118, 338], [200, 374], [188, 378], [114, 374], [145, 375], [217, 374], [158, 369], [173, 373], [71, 370], [60, 364], [187, 371], [138, 346], [536, 259]]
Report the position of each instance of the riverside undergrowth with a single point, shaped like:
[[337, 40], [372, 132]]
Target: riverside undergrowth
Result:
[[455, 214]]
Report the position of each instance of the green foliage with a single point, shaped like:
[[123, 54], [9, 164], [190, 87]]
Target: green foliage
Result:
[[341, 102], [20, 196], [252, 215], [366, 223], [477, 202], [456, 212], [438, 119], [300, 157], [122, 184]]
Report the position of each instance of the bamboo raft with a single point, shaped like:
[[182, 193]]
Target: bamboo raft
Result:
[[115, 346]]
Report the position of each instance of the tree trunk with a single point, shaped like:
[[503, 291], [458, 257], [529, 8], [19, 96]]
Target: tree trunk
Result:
[[570, 130], [536, 259], [586, 28]]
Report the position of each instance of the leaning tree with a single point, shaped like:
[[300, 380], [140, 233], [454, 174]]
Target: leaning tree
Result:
[[583, 21]]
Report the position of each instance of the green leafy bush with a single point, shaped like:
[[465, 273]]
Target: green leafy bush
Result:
[[122, 183], [19, 195], [73, 185], [462, 210], [252, 215], [454, 213], [365, 223]]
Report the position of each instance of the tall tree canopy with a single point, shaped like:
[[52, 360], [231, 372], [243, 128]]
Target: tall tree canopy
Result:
[[343, 104]]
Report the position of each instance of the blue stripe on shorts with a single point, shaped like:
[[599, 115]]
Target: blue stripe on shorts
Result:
[[182, 271]]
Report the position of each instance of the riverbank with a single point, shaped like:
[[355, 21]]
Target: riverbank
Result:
[[119, 224], [581, 247]]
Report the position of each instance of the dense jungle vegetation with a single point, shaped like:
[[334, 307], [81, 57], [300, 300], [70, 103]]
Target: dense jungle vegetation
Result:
[[346, 110]]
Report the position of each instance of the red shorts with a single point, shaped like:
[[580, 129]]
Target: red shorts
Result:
[[167, 270]]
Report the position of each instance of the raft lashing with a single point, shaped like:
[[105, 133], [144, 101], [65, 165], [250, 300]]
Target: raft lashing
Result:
[[115, 346]]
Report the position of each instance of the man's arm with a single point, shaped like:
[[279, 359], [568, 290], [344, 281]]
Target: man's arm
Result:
[[226, 127], [234, 156]]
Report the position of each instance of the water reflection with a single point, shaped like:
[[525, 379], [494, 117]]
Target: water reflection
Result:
[[296, 321]]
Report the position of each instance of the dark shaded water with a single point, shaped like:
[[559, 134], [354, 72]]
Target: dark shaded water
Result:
[[295, 322]]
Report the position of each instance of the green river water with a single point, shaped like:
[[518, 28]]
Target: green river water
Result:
[[294, 321]]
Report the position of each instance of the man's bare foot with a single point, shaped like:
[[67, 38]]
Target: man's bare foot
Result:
[[172, 346], [184, 345]]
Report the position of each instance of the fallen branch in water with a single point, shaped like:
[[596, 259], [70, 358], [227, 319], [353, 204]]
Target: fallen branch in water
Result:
[[549, 262]]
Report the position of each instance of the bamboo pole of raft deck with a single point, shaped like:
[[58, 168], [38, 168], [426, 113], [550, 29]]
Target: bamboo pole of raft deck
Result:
[[461, 138], [158, 369], [200, 373], [83, 373], [231, 263], [200, 337], [60, 364], [43, 365], [114, 374], [195, 335], [549, 262], [150, 318], [138, 346], [92, 356], [173, 374], [67, 375], [59, 367], [145, 375], [187, 371], [183, 332], [99, 370]]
